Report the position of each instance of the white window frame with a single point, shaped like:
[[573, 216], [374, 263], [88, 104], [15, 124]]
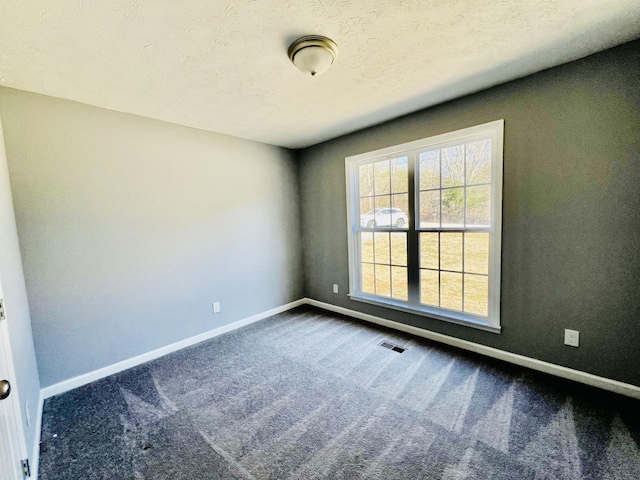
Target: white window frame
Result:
[[492, 130]]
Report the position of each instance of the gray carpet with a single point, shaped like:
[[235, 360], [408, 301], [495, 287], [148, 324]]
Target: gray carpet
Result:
[[310, 395]]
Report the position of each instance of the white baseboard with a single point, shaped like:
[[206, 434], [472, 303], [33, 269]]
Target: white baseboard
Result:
[[34, 458], [75, 382], [546, 367]]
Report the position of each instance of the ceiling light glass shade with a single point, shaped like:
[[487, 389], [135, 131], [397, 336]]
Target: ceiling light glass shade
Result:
[[313, 54]]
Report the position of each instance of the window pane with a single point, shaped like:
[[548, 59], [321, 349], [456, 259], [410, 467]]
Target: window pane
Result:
[[452, 160], [429, 250], [399, 249], [476, 294], [383, 201], [429, 170], [453, 207], [366, 212], [366, 246], [383, 280], [382, 178], [451, 290], [366, 180], [478, 162], [451, 251], [382, 247], [476, 252], [382, 216], [429, 287], [399, 288], [399, 217], [479, 206], [400, 175], [368, 278], [430, 209]]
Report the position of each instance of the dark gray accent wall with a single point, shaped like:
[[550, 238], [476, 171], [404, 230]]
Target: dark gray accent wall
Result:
[[130, 228], [571, 211]]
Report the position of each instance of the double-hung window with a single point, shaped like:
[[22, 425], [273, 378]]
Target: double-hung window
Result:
[[425, 226]]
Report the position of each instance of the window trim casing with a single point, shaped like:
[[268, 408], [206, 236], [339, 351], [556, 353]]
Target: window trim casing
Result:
[[493, 130]]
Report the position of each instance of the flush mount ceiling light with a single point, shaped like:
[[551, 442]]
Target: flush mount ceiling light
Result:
[[313, 54]]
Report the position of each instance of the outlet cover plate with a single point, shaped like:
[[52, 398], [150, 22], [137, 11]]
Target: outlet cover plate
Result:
[[335, 288], [216, 307], [572, 338]]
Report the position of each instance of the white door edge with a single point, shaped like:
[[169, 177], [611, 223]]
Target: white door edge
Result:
[[11, 435]]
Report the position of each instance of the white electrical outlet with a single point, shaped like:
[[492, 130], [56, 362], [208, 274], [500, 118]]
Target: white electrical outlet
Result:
[[572, 338], [335, 288], [216, 307], [27, 415]]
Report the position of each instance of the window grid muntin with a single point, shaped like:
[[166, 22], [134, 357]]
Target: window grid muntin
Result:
[[392, 161], [418, 214], [463, 272], [391, 229], [391, 265], [465, 186]]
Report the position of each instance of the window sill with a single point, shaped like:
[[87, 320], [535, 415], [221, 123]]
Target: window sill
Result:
[[478, 324]]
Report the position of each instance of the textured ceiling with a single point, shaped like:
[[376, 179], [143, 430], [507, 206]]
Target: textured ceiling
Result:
[[223, 66]]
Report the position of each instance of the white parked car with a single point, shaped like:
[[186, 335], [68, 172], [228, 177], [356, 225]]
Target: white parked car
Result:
[[384, 217]]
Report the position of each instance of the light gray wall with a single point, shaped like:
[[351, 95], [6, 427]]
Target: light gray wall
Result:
[[571, 211], [130, 228], [27, 383]]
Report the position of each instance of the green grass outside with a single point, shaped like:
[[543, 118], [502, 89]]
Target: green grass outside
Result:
[[463, 287]]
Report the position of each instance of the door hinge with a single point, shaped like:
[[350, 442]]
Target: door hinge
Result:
[[2, 317], [26, 471]]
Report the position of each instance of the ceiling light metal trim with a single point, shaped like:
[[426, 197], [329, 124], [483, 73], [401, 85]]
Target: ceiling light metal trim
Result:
[[312, 41]]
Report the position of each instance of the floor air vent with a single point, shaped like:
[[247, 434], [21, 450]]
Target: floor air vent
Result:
[[393, 347]]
